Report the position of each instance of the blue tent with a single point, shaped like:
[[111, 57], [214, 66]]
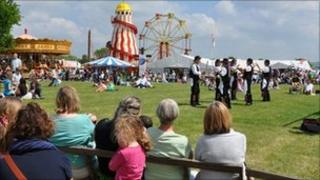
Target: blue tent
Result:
[[110, 61]]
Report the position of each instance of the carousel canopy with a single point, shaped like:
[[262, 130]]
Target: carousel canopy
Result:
[[110, 61]]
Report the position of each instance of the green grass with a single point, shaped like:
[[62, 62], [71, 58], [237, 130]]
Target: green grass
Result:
[[271, 146]]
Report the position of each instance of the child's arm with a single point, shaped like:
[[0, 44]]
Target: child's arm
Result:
[[116, 161]]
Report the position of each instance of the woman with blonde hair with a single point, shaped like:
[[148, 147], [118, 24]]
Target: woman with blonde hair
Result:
[[105, 137], [73, 129], [220, 143], [9, 106]]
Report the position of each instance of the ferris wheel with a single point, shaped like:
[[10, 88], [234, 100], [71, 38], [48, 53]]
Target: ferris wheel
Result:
[[164, 35]]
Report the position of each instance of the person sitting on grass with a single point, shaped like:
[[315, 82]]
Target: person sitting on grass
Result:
[[220, 143], [167, 143], [73, 129], [142, 82], [27, 147], [309, 88], [106, 86], [7, 84]]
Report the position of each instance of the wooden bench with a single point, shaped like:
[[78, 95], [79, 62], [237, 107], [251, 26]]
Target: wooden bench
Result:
[[183, 163]]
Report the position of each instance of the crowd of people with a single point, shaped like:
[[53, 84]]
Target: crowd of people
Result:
[[30, 140]]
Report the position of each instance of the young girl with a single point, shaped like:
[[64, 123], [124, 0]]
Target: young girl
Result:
[[129, 160], [9, 106]]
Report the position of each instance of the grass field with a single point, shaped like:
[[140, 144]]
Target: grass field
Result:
[[274, 142]]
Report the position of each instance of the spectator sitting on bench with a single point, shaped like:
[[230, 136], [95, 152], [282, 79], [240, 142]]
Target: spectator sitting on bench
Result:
[[167, 143], [220, 143], [104, 131]]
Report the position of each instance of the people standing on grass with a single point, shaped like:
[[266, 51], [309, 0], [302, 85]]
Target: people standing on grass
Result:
[[266, 77], [16, 63], [195, 75], [225, 80], [129, 159], [234, 78], [220, 143], [73, 129], [217, 70], [247, 77]]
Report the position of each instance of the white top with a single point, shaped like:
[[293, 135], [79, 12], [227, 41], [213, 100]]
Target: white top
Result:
[[195, 69], [248, 68], [266, 69], [16, 78], [228, 148], [217, 69], [16, 63], [309, 87], [223, 71]]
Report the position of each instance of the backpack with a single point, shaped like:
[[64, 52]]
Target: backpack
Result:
[[311, 125]]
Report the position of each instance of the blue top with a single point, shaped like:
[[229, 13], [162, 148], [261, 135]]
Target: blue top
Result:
[[74, 130], [36, 159], [7, 87]]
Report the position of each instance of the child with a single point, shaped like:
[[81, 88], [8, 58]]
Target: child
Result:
[[129, 160], [146, 121], [9, 106]]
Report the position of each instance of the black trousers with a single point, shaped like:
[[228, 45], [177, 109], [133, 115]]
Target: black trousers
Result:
[[226, 95], [248, 97], [234, 89], [265, 91], [195, 92], [218, 93]]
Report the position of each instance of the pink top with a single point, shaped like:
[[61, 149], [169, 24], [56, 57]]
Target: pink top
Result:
[[128, 163]]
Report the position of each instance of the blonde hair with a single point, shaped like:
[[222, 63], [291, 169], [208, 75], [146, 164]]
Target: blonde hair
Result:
[[217, 119], [67, 100], [129, 129], [130, 105], [9, 106]]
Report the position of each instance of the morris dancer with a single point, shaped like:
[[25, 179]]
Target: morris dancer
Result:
[[247, 77], [266, 76], [217, 70], [234, 79], [225, 82]]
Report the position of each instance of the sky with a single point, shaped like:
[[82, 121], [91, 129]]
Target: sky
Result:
[[263, 29]]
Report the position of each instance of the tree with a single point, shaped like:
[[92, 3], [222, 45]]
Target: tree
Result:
[[84, 59], [69, 57], [9, 16], [100, 53]]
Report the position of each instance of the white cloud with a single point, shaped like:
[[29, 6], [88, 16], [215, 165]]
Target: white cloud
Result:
[[201, 25], [225, 7]]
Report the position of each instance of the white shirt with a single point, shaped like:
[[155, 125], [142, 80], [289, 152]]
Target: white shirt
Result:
[[266, 69], [248, 68], [223, 71], [16, 78], [16, 63], [195, 70]]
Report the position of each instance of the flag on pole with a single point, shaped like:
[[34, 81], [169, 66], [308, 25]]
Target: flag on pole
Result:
[[213, 41]]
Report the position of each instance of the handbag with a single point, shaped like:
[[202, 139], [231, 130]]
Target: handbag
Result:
[[13, 167]]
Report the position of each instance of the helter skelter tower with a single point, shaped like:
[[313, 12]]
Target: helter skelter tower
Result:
[[123, 43]]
